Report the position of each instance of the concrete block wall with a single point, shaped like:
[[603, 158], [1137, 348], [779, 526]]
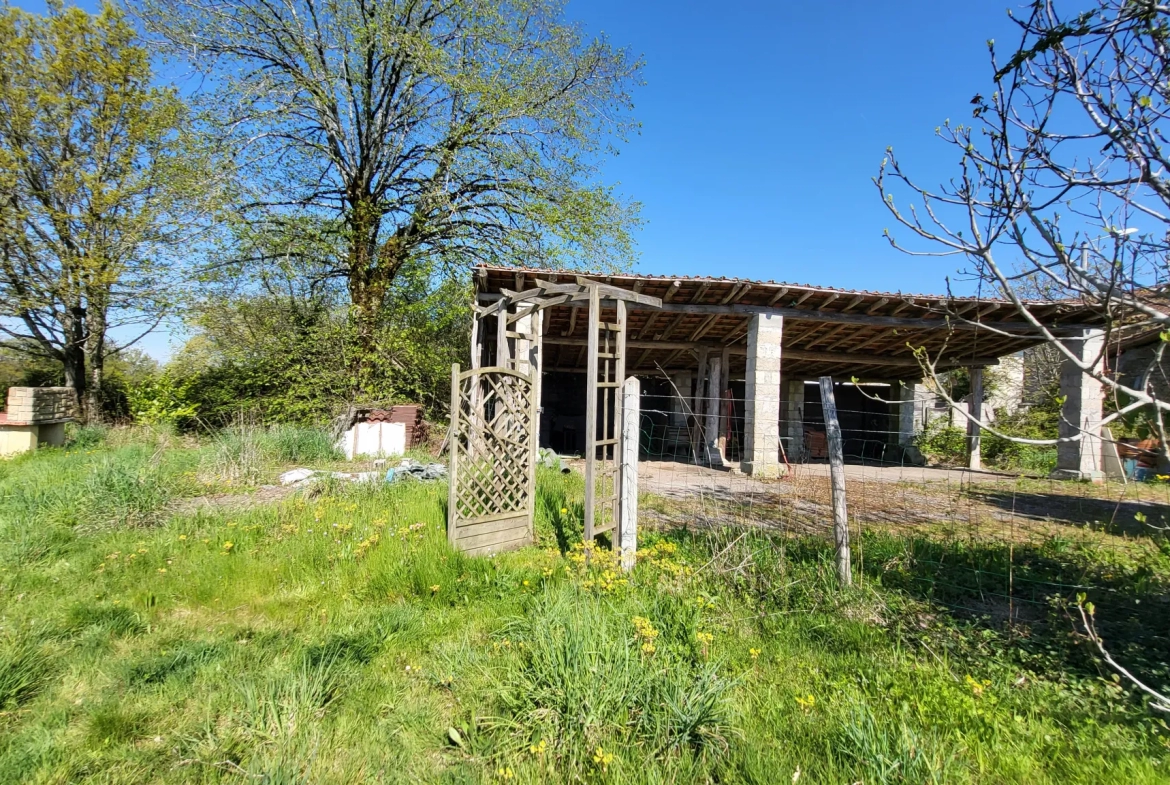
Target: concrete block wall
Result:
[[41, 404]]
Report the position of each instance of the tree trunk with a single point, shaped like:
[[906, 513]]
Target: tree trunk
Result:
[[73, 353], [95, 357], [367, 289]]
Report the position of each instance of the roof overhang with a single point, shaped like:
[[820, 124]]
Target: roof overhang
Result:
[[872, 335]]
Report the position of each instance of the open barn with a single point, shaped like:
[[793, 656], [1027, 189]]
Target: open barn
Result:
[[727, 364]]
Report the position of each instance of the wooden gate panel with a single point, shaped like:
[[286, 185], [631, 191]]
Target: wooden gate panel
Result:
[[493, 430]]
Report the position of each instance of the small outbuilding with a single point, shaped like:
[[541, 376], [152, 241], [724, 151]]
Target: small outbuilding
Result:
[[35, 416]]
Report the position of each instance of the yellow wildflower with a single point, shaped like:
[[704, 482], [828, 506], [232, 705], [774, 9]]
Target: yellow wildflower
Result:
[[182, 536], [227, 546], [162, 569], [755, 653], [806, 703], [602, 758], [538, 748], [505, 773], [435, 589]]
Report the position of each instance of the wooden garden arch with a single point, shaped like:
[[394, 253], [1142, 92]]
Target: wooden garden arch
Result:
[[492, 457]]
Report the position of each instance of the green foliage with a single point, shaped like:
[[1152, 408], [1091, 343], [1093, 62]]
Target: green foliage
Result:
[[292, 360], [244, 454], [160, 400], [498, 162], [100, 187], [1038, 422], [943, 443]]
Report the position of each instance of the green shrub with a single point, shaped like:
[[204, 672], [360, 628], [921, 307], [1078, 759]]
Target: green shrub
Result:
[[161, 400], [943, 443]]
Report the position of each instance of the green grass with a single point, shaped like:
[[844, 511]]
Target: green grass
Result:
[[339, 639]]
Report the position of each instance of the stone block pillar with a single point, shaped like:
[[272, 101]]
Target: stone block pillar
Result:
[[912, 412], [794, 419], [1081, 413], [680, 407], [762, 407]]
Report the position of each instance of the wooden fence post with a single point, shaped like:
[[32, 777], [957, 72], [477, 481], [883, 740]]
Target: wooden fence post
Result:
[[975, 409], [628, 514], [837, 475]]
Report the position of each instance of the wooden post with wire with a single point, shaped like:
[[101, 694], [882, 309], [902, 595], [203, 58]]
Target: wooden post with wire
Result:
[[837, 475]]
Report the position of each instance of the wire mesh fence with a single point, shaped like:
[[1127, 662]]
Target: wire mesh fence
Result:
[[1006, 549]]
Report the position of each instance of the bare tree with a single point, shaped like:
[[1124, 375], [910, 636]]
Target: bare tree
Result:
[[1063, 187]]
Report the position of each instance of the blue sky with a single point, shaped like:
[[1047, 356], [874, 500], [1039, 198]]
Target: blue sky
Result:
[[763, 124]]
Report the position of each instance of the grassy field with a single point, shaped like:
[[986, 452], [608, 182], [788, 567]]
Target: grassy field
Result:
[[160, 624]]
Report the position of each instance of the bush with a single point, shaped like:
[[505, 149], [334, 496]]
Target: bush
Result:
[[160, 400], [943, 443]]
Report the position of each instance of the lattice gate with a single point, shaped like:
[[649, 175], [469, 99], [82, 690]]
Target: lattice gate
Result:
[[492, 460]]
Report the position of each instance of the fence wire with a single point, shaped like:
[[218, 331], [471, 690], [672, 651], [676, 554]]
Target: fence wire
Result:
[[1009, 549]]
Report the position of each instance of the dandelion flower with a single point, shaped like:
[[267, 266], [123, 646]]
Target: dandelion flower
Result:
[[564, 511], [182, 536], [525, 583], [602, 758], [227, 546]]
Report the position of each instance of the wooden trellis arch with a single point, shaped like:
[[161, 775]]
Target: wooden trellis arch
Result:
[[487, 455]]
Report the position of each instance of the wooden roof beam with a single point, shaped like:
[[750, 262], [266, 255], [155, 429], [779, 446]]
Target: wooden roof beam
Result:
[[702, 291], [804, 297], [853, 303], [776, 297], [906, 303], [677, 321], [828, 300], [882, 301], [832, 332], [704, 327], [736, 294], [648, 325]]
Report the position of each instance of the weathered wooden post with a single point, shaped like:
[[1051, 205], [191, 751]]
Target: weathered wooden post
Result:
[[837, 475], [628, 514], [975, 409]]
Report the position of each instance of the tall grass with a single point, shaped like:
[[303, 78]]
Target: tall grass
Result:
[[244, 453], [336, 637]]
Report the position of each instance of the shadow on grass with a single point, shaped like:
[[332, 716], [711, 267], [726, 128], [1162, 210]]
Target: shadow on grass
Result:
[[1120, 515]]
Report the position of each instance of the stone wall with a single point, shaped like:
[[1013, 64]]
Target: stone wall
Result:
[[41, 404]]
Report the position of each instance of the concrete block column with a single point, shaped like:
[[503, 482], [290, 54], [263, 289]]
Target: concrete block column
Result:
[[680, 406], [762, 407], [912, 413], [712, 455], [794, 418], [1081, 413]]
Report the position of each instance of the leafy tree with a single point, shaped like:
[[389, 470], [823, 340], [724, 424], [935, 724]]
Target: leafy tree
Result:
[[96, 190], [415, 131], [285, 349]]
